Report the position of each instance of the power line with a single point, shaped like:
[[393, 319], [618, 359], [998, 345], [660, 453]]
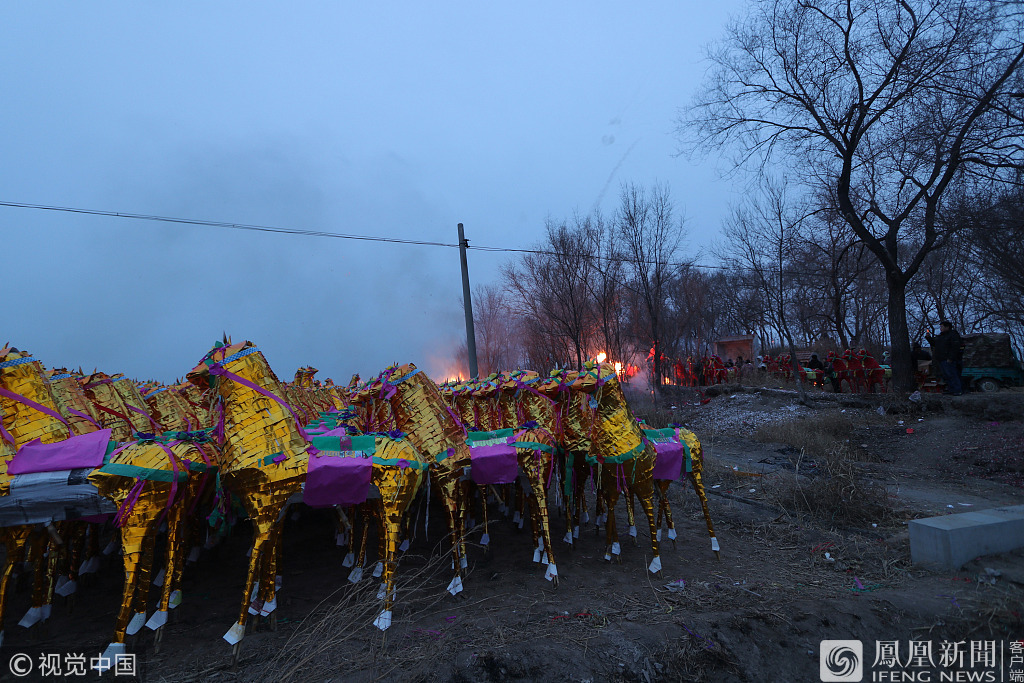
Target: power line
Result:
[[223, 224], [370, 238]]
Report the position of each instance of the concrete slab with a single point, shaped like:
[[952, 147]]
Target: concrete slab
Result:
[[948, 542]]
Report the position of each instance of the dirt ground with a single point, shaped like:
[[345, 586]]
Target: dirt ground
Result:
[[802, 560]]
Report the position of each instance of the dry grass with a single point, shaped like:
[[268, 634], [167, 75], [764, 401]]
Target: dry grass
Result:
[[825, 483], [834, 492], [653, 411], [338, 634], [694, 658], [985, 612], [817, 437]]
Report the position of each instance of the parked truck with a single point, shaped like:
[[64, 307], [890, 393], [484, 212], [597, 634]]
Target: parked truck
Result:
[[990, 362]]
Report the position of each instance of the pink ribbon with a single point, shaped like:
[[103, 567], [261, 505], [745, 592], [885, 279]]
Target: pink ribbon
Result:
[[129, 503], [85, 417], [146, 415], [174, 466], [451, 413], [220, 371], [202, 481], [31, 404]]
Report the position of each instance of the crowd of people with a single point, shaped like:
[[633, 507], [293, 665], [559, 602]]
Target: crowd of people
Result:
[[853, 370], [857, 370]]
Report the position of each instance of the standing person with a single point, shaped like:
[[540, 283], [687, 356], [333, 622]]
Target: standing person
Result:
[[947, 352]]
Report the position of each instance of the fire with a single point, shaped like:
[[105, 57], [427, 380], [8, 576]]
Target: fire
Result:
[[618, 370], [601, 356]]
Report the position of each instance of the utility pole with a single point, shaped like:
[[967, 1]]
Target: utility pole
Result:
[[467, 299]]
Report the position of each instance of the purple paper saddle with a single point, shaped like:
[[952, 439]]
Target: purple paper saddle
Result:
[[495, 464], [669, 461], [85, 451], [337, 480]]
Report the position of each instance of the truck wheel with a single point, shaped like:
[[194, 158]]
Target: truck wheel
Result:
[[987, 384]]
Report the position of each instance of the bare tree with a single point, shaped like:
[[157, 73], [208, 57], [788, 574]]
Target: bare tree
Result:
[[996, 233], [948, 287], [884, 104], [550, 287], [651, 236], [498, 333], [760, 235], [832, 260], [695, 311], [606, 286]]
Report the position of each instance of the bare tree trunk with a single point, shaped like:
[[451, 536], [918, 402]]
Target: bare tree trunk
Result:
[[902, 372], [784, 323]]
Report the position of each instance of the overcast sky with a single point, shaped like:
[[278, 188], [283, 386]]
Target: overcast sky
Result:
[[390, 119]]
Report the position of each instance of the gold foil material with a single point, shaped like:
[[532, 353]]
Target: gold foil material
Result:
[[488, 410], [697, 478], [577, 417], [142, 422], [99, 388], [15, 539], [170, 410], [69, 396], [616, 433], [376, 409], [138, 536], [397, 487], [464, 405], [198, 403], [138, 530], [23, 422], [422, 414], [256, 427], [518, 406]]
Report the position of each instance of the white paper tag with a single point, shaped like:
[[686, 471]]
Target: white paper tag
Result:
[[383, 620]]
